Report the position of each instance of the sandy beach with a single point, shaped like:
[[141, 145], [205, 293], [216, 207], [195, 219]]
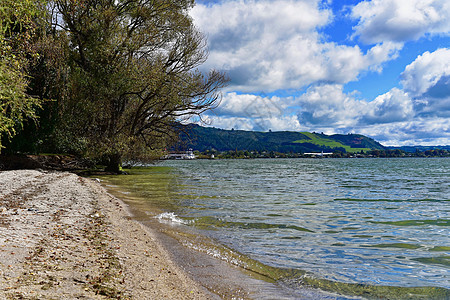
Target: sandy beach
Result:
[[64, 237]]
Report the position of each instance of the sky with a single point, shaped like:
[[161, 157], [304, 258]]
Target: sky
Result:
[[377, 67]]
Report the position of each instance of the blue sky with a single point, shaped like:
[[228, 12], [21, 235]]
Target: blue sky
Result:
[[377, 67]]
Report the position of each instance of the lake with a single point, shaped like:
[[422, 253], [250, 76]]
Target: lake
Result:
[[360, 227]]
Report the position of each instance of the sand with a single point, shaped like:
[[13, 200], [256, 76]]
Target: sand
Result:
[[64, 237]]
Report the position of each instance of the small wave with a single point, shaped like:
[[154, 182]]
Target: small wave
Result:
[[170, 217], [440, 249], [394, 245], [220, 253], [438, 222], [391, 200], [440, 260], [211, 221]]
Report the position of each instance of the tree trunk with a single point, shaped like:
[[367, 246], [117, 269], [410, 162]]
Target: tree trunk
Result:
[[114, 164]]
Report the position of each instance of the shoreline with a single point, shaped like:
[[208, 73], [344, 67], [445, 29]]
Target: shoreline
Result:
[[62, 235], [191, 251]]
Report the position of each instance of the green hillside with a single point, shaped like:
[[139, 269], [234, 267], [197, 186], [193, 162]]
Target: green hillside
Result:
[[334, 141], [207, 138]]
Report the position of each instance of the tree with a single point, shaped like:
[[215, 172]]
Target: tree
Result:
[[133, 74], [17, 34]]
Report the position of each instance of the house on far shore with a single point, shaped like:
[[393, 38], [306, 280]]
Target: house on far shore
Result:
[[180, 155]]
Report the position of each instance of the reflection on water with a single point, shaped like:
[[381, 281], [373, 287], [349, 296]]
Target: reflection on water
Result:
[[382, 222]]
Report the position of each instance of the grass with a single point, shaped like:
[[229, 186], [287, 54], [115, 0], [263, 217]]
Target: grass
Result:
[[314, 139]]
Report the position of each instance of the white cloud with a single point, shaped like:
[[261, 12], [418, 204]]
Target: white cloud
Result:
[[328, 106], [253, 112], [260, 43], [225, 122], [251, 106], [242, 20], [322, 108], [272, 45], [275, 123], [382, 53], [393, 106], [400, 20], [427, 80], [426, 71], [426, 132]]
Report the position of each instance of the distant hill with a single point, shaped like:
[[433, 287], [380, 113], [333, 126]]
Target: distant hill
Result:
[[208, 138]]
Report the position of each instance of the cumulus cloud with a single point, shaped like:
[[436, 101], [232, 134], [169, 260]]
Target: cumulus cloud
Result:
[[322, 107], [393, 106], [418, 131], [251, 106], [400, 20], [328, 106], [272, 45], [254, 112], [428, 71], [275, 123], [229, 122], [427, 80]]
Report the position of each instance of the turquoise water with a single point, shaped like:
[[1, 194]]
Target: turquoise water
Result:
[[375, 222]]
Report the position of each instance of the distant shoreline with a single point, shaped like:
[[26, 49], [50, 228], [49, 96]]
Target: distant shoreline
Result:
[[267, 155]]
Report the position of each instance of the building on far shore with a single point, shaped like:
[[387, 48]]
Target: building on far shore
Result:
[[180, 155], [321, 154]]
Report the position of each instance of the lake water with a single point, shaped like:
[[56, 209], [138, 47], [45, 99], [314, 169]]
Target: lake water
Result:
[[361, 227]]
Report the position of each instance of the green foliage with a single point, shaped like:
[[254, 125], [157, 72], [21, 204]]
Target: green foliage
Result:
[[15, 104], [17, 30]]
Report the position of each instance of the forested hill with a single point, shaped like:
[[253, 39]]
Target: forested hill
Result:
[[207, 138]]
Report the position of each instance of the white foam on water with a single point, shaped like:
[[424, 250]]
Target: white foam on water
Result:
[[170, 217]]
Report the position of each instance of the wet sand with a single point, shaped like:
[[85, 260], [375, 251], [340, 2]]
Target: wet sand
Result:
[[65, 237]]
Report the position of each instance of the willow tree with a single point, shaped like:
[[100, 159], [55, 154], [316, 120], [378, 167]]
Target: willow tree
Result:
[[133, 73], [17, 34]]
